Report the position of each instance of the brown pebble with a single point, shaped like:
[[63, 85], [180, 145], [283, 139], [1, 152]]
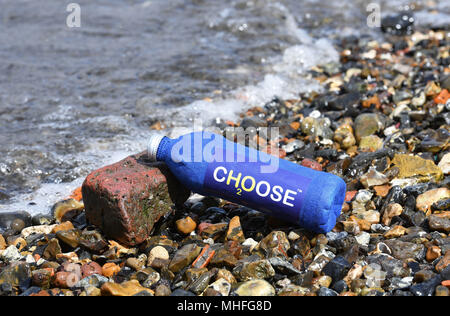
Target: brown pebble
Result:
[[2, 243], [62, 227], [186, 225], [110, 269], [433, 253]]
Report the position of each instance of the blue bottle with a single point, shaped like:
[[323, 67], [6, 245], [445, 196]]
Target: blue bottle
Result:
[[211, 165]]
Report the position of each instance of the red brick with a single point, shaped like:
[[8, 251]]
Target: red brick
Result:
[[127, 198]]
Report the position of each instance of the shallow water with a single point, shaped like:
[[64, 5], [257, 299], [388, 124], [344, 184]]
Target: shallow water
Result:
[[74, 99]]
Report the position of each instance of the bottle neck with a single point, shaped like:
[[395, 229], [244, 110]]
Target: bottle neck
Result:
[[163, 149]]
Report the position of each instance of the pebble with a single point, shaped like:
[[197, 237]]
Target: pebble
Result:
[[128, 288], [426, 288], [393, 209], [337, 268], [367, 124], [66, 209], [162, 290], [442, 291], [41, 229], [2, 243], [395, 232], [370, 143], [425, 200], [403, 250], [158, 257], [184, 257], [433, 253], [443, 263], [186, 225], [90, 268], [440, 222], [95, 280], [222, 286], [373, 178], [110, 269], [10, 254], [62, 227], [255, 288], [363, 238], [444, 163], [416, 167], [260, 269], [235, 232]]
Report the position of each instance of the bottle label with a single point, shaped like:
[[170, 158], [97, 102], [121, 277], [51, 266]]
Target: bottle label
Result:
[[279, 194]]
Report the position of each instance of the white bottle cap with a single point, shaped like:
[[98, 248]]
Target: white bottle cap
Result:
[[153, 145]]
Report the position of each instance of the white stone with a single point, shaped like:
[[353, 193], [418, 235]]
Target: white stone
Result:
[[363, 238], [209, 241], [293, 236], [444, 164], [250, 242], [222, 286], [29, 259], [10, 254], [40, 229]]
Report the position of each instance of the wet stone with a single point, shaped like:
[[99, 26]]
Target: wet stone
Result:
[[184, 257], [405, 250], [66, 210], [214, 231], [444, 163], [128, 288], [69, 237], [443, 263], [327, 292], [53, 248], [200, 284], [373, 178], [42, 278], [367, 124], [292, 146], [181, 292], [275, 244], [235, 232], [255, 288], [186, 225], [370, 143], [260, 269], [223, 258], [15, 221], [440, 222], [416, 167], [337, 268], [426, 288], [158, 257], [425, 200], [17, 275]]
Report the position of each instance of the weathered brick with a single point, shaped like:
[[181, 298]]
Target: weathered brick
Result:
[[125, 199]]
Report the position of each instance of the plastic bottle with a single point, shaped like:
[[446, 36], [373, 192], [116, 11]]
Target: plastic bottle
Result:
[[211, 165]]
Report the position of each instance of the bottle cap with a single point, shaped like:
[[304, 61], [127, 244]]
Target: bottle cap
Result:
[[153, 145]]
